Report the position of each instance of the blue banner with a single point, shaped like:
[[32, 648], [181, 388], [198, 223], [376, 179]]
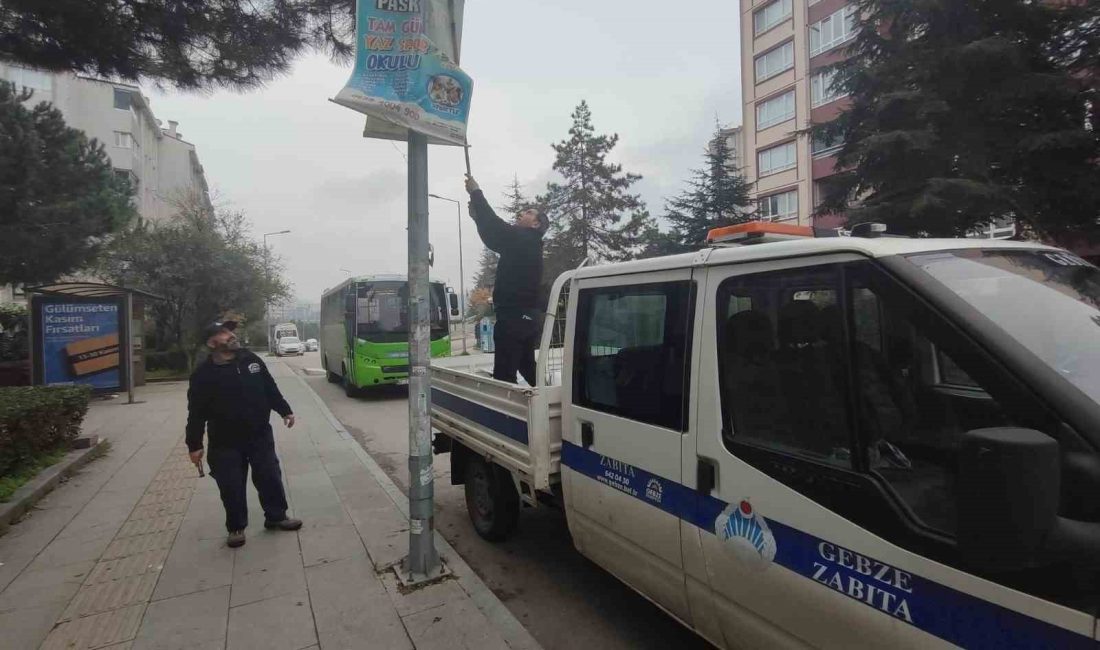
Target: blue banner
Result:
[[80, 343], [406, 71]]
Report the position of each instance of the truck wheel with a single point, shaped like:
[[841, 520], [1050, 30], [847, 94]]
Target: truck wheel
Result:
[[491, 500]]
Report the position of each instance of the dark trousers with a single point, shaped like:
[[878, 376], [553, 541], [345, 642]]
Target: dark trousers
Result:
[[516, 337], [229, 467]]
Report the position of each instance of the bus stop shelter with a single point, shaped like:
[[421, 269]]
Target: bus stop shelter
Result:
[[87, 333]]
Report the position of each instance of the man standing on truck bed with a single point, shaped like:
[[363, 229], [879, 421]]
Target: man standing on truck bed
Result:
[[231, 398], [516, 293]]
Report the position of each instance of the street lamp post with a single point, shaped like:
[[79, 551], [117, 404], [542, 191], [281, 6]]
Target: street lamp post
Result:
[[267, 278], [461, 269]]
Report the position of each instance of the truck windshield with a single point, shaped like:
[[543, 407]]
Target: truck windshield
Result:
[[383, 312], [1049, 301]]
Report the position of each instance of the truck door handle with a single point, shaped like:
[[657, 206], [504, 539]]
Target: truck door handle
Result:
[[708, 475], [588, 434]]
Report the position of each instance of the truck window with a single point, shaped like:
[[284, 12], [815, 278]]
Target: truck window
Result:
[[784, 375], [780, 381], [632, 343], [911, 412]]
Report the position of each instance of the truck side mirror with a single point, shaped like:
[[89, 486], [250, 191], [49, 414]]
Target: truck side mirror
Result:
[[454, 304], [1009, 487]]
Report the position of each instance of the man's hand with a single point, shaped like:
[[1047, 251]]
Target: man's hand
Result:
[[289, 421], [196, 460], [471, 184]]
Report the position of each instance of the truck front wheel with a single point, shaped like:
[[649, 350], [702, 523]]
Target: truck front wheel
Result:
[[491, 499]]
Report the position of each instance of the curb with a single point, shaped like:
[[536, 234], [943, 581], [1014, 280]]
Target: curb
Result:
[[32, 492], [511, 630]]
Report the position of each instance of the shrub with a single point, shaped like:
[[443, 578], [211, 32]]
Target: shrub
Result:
[[169, 360], [35, 420]]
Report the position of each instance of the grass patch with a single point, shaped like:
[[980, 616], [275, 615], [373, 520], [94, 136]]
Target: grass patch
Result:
[[9, 484]]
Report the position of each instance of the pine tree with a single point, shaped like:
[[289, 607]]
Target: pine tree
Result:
[[717, 195], [191, 44], [964, 113], [61, 199], [587, 209]]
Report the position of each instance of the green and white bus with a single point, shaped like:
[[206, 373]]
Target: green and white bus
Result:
[[364, 330]]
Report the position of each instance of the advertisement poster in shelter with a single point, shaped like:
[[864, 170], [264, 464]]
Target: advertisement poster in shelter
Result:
[[406, 73], [77, 342]]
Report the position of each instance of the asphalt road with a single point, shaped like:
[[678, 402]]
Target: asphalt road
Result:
[[563, 599]]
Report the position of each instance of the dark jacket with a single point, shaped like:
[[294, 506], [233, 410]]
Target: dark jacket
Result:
[[231, 401], [519, 271]]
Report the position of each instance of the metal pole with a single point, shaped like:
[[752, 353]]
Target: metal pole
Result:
[[267, 302], [130, 347], [423, 560], [461, 278]]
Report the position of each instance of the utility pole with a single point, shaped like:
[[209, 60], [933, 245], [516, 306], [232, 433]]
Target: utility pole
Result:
[[422, 562], [461, 269], [267, 280]]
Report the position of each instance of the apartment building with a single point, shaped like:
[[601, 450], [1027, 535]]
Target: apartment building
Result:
[[785, 45], [162, 166]]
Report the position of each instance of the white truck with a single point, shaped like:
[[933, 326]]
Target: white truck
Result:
[[831, 442]]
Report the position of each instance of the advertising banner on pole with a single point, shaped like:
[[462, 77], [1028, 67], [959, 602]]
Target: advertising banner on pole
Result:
[[78, 342], [406, 70]]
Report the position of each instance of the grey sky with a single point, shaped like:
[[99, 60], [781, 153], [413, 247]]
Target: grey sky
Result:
[[656, 73]]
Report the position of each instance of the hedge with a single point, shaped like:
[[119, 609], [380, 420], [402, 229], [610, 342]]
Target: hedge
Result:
[[35, 420], [170, 360]]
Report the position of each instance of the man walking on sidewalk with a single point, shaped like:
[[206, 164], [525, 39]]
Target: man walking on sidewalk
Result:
[[231, 396], [516, 292]]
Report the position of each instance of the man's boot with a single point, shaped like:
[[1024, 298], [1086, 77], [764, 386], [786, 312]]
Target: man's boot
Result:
[[235, 539], [285, 524]]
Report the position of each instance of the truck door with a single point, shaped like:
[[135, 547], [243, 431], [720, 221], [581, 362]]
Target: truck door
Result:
[[623, 427], [830, 410]]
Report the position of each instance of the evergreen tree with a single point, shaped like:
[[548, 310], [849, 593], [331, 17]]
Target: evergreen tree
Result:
[[189, 44], [717, 195], [966, 112], [60, 199], [587, 208]]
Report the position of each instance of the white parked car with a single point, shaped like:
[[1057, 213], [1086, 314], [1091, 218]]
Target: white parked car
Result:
[[289, 345], [312, 345]]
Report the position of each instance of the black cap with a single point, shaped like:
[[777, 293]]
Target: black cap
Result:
[[215, 327]]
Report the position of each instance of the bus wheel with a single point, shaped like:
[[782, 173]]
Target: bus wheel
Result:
[[349, 388], [333, 378], [491, 500]]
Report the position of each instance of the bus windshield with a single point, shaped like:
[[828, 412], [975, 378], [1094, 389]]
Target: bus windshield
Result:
[[1049, 301], [382, 312]]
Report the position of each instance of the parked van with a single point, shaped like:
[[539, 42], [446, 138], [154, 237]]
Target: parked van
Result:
[[798, 441]]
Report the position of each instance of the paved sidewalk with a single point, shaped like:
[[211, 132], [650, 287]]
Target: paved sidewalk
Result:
[[130, 552]]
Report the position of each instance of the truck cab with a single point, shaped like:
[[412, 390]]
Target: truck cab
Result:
[[839, 442]]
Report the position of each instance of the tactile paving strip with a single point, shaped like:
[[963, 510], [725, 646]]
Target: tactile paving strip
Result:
[[108, 608]]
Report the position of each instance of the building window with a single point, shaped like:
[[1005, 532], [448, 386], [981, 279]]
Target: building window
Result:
[[777, 158], [771, 15], [833, 30], [28, 79], [122, 99], [823, 88], [821, 145], [775, 61], [783, 205], [775, 110], [124, 140]]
